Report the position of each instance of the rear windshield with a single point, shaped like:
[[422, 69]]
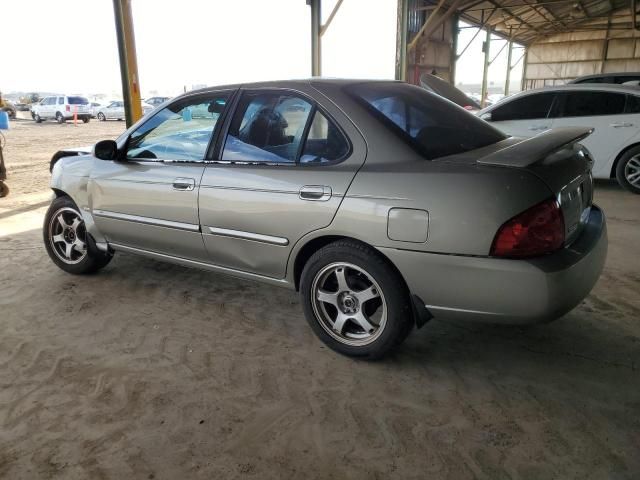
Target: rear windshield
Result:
[[433, 126], [78, 101]]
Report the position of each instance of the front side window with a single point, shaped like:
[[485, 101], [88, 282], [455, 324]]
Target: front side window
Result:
[[433, 126], [267, 127], [529, 107], [181, 131]]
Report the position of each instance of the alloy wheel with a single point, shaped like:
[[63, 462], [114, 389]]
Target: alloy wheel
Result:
[[349, 304], [632, 171], [67, 235]]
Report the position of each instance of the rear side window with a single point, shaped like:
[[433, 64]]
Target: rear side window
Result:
[[181, 131], [78, 101], [60, 100], [267, 127], [589, 104], [529, 107], [324, 143], [433, 126]]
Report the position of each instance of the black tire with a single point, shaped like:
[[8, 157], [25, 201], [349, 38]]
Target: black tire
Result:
[[4, 189], [86, 120], [364, 263], [37, 118], [628, 167], [90, 259], [60, 118], [101, 117]]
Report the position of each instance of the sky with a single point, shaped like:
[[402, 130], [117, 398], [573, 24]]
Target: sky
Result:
[[190, 43]]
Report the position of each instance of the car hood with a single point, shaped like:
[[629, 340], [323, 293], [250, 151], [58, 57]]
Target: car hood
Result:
[[448, 91]]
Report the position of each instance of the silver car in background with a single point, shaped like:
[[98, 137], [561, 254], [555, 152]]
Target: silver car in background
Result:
[[382, 203]]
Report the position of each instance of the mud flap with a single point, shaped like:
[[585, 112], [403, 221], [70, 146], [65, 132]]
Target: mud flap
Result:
[[421, 314]]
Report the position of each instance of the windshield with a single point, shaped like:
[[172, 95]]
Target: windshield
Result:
[[433, 126]]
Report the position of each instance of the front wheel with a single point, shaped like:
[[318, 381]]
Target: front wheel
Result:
[[628, 170], [37, 118], [355, 301], [101, 117], [67, 241]]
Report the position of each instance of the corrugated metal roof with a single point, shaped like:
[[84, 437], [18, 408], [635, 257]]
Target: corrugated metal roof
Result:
[[528, 20]]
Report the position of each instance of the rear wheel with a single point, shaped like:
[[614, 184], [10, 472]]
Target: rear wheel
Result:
[[67, 241], [59, 117], [628, 170], [4, 189], [355, 301], [101, 117], [85, 120]]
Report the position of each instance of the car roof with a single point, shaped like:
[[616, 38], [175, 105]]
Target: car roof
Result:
[[292, 83], [612, 74], [588, 87]]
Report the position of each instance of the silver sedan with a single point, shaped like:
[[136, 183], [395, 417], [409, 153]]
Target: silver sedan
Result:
[[383, 204]]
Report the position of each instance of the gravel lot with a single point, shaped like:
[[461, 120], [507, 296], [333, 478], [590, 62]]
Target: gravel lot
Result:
[[149, 370]]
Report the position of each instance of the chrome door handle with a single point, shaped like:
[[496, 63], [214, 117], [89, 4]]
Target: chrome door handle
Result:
[[315, 193], [185, 184], [621, 125]]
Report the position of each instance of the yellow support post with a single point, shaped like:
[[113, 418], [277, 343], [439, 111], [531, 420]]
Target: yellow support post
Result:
[[128, 61]]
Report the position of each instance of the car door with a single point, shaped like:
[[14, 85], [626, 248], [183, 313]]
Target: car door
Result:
[[46, 107], [148, 200], [605, 112], [280, 173], [523, 116]]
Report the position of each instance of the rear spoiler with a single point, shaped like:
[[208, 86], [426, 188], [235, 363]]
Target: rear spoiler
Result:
[[532, 150]]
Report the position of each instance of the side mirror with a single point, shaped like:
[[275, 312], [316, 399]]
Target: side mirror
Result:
[[486, 116], [106, 150]]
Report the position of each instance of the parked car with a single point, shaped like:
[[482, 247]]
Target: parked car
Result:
[[95, 108], [382, 203], [23, 107], [619, 78], [10, 108], [61, 108], [612, 110], [156, 101], [115, 111]]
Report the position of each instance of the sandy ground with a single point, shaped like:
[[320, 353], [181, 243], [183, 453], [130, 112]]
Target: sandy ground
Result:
[[149, 370]]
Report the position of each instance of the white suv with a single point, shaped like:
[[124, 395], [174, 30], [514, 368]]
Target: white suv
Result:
[[62, 108]]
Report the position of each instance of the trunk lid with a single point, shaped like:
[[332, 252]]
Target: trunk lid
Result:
[[558, 159]]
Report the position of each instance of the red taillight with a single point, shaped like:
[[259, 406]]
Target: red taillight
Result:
[[68, 108], [536, 231]]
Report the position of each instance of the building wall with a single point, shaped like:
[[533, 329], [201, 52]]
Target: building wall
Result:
[[599, 46], [434, 53]]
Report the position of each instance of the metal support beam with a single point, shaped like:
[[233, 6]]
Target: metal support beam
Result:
[[508, 79], [401, 39], [427, 24], [316, 54], [523, 81], [485, 70], [484, 22], [454, 49], [330, 19], [128, 61]]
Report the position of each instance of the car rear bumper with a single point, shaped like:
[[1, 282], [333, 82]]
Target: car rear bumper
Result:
[[506, 290]]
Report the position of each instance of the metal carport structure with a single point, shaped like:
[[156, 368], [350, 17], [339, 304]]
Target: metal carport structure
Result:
[[563, 39]]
